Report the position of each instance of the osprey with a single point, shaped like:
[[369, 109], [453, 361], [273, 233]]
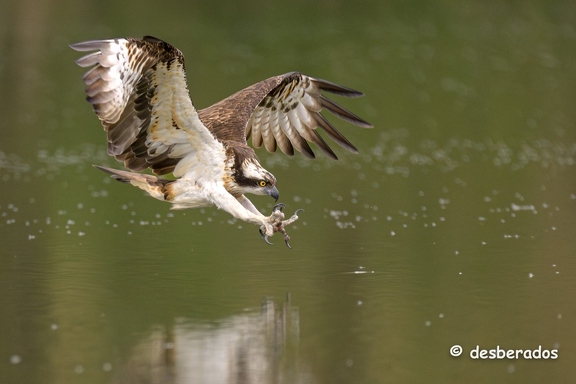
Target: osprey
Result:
[[139, 92]]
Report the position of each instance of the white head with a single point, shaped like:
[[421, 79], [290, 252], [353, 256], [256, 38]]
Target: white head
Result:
[[250, 177]]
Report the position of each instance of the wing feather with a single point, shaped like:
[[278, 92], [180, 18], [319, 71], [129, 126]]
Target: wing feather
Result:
[[300, 98], [139, 92], [254, 128], [283, 142], [268, 133], [343, 113], [334, 134], [283, 111]]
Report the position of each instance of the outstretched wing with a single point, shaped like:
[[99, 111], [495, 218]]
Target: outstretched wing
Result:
[[282, 111], [138, 90]]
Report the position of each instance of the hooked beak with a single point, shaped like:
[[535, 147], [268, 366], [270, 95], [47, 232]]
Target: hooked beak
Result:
[[272, 191]]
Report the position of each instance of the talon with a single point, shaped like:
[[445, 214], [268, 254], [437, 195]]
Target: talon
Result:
[[278, 207], [277, 224], [286, 238], [264, 236]]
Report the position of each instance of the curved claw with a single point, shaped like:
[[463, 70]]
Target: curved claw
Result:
[[298, 210], [264, 236], [279, 207], [287, 244]]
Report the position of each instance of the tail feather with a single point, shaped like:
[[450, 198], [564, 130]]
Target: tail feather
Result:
[[155, 186]]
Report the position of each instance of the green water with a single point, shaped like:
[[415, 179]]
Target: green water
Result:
[[454, 225]]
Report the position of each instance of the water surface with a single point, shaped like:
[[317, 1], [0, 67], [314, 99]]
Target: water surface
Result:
[[454, 225]]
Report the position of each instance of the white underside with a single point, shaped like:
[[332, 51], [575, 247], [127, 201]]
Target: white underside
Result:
[[190, 193]]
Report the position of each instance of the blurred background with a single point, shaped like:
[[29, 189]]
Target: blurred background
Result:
[[454, 225]]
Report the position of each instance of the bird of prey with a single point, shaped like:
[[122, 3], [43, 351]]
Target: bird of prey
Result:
[[139, 92]]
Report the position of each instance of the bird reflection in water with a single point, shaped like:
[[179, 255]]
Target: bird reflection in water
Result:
[[251, 347]]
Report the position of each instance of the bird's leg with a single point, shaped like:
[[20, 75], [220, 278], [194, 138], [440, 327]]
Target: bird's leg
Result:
[[278, 223]]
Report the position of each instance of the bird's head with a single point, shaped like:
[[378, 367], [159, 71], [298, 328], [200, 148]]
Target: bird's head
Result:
[[250, 177]]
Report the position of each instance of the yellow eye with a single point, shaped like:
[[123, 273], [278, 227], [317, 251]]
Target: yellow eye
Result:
[[262, 183]]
